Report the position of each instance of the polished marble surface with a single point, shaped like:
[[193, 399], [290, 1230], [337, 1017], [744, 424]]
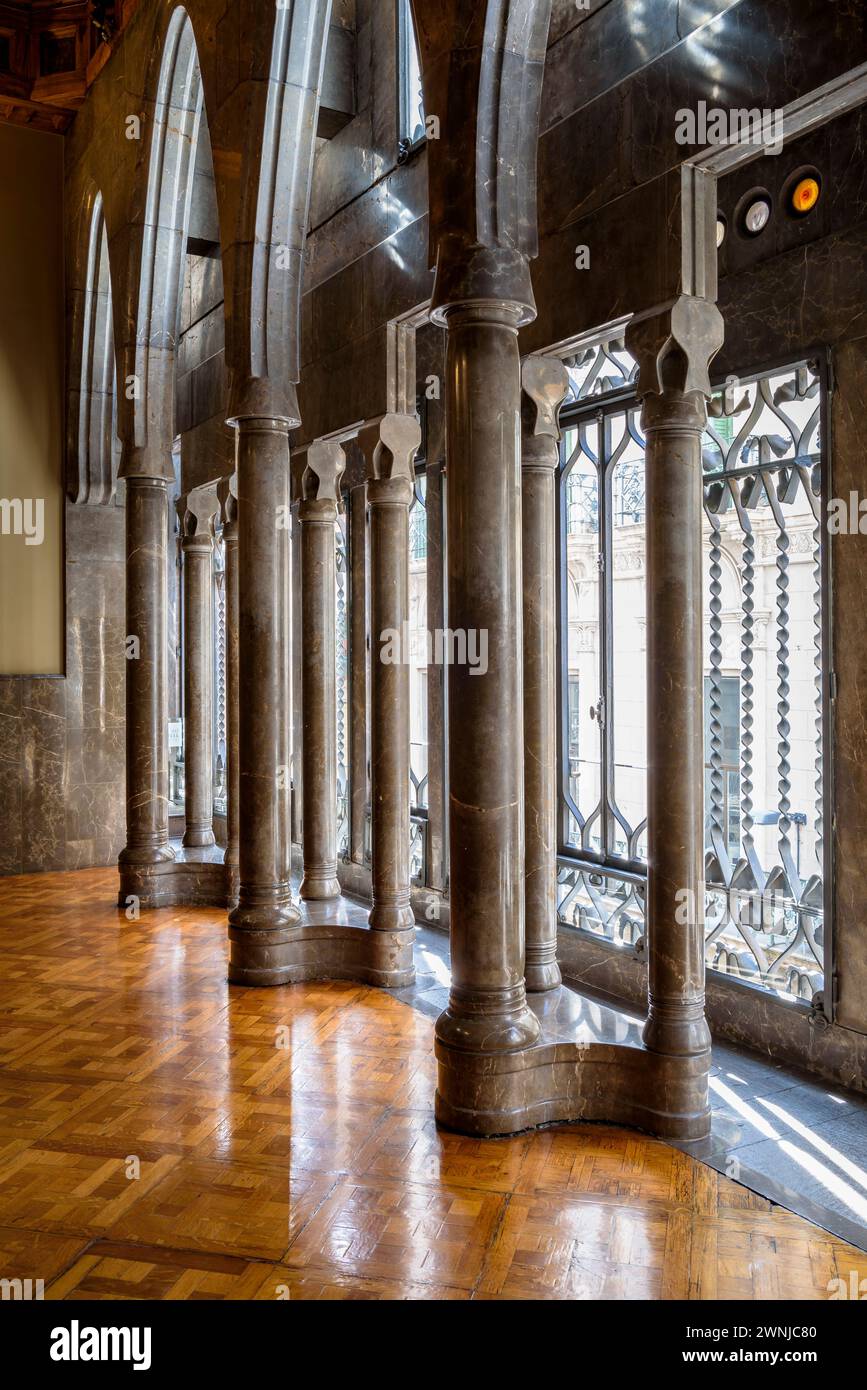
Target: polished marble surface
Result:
[[798, 1142], [285, 1146]]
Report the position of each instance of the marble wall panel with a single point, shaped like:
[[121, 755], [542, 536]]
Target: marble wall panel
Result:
[[61, 740]]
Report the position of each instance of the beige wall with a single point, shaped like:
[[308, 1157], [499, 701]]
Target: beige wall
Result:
[[31, 402]]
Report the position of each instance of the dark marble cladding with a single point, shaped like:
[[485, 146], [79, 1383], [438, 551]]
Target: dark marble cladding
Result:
[[61, 740], [754, 53], [739, 1014], [849, 579], [347, 386]]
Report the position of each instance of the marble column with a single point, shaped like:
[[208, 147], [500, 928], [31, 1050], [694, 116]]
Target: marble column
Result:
[[265, 914], [196, 513], [674, 347], [545, 382], [320, 486], [389, 446], [229, 518], [477, 298], [147, 801], [295, 565], [358, 660]]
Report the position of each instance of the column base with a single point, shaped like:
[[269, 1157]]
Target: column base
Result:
[[389, 917], [675, 1034], [196, 838], [488, 1026], [321, 951], [561, 1079], [541, 976], [180, 878], [319, 888]]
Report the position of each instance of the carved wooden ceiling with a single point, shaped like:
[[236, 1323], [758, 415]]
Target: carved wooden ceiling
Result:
[[50, 52]]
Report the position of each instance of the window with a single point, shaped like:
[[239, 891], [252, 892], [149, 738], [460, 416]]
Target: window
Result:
[[342, 675], [765, 668], [722, 706], [418, 677], [221, 789], [410, 97]]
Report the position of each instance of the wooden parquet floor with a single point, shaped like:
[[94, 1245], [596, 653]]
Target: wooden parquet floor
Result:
[[166, 1136]]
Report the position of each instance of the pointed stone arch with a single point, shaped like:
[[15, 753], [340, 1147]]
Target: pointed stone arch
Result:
[[482, 68], [158, 251], [264, 266], [93, 449]]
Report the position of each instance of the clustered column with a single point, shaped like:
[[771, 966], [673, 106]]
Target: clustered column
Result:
[[389, 447], [226, 492], [674, 348], [545, 381], [320, 486], [196, 512], [265, 913]]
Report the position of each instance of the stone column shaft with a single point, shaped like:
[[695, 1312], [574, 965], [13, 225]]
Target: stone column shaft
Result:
[[197, 546], [265, 913], [390, 446], [318, 517], [487, 1008], [358, 657], [295, 565], [545, 381], [147, 802], [674, 348], [229, 512]]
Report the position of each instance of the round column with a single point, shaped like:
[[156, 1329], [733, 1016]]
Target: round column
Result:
[[265, 913], [197, 547], [390, 446], [229, 516], [487, 1009], [318, 517], [545, 381], [674, 348], [147, 803]]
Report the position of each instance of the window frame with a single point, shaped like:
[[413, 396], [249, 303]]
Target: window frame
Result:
[[405, 33], [636, 872]]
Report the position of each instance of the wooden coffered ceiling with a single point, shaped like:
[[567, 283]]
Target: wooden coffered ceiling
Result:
[[50, 52]]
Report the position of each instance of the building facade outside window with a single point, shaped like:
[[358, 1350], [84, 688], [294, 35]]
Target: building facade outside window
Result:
[[410, 105], [765, 668]]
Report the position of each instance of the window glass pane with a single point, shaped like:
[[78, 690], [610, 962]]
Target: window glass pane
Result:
[[625, 447], [764, 779], [418, 671], [412, 127], [583, 828], [219, 630], [764, 690], [342, 658]]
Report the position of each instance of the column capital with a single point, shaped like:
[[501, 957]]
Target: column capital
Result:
[[674, 346], [197, 511], [482, 280], [320, 481], [227, 497], [389, 445], [265, 400], [147, 463], [544, 384]]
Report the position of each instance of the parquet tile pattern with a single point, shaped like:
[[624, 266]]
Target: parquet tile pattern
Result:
[[166, 1136]]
